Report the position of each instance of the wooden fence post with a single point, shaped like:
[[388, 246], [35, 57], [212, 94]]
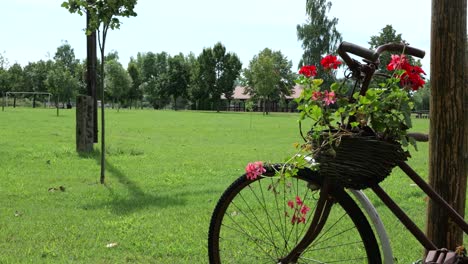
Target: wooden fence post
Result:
[[447, 163], [84, 123]]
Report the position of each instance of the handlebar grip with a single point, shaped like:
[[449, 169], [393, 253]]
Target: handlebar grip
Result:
[[399, 47], [358, 50]]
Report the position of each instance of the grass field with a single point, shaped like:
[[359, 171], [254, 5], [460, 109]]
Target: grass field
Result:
[[165, 172]]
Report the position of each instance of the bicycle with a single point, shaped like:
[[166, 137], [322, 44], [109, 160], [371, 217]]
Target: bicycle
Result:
[[252, 221]]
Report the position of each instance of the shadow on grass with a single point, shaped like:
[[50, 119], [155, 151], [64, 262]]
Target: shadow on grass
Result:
[[135, 199]]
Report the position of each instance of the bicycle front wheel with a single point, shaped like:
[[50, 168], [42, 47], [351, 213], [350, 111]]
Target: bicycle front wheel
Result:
[[261, 221]]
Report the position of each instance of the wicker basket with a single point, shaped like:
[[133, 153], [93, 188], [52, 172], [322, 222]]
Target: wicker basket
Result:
[[360, 162]]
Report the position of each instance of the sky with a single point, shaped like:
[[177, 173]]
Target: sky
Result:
[[32, 30]]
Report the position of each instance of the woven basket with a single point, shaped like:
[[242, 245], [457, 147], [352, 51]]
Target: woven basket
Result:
[[360, 162]]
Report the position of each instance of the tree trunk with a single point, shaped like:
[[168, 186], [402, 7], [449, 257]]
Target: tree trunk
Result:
[[57, 105], [448, 146], [91, 75], [34, 101]]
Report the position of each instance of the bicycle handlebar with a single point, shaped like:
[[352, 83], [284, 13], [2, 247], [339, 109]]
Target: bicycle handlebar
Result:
[[373, 56]]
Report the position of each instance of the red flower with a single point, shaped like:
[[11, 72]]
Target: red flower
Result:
[[308, 70], [330, 62], [316, 96], [291, 204], [253, 170], [412, 79], [412, 75]]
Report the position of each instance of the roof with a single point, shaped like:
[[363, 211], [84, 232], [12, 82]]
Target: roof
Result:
[[239, 93]]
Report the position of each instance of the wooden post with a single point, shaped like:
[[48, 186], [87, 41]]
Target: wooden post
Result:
[[448, 146], [84, 123]]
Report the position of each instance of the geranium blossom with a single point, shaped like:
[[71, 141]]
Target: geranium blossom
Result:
[[255, 169], [398, 62], [329, 97], [412, 75], [308, 71], [330, 62], [298, 200], [300, 211], [316, 96]]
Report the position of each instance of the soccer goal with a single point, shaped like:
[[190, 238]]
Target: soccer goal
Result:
[[23, 99]]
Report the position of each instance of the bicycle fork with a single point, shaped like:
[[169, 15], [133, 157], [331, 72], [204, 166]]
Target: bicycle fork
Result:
[[324, 205]]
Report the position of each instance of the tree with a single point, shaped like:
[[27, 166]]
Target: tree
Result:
[[117, 82], [61, 84], [35, 74], [227, 70], [422, 98], [15, 80], [268, 77], [319, 35], [196, 91], [178, 78], [153, 77], [65, 55], [217, 72], [103, 15], [134, 93], [448, 135]]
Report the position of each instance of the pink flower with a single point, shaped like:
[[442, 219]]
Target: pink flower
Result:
[[308, 70], [316, 96], [330, 62], [305, 209], [329, 97], [253, 170], [298, 200], [398, 62], [291, 204]]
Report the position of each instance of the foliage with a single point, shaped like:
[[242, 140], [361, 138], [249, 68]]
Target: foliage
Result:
[[215, 74], [269, 76], [154, 69], [16, 78], [117, 81], [65, 56], [422, 98], [178, 78], [61, 84], [134, 93]]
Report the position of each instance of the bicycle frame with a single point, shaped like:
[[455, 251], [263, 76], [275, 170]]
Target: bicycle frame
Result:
[[405, 220]]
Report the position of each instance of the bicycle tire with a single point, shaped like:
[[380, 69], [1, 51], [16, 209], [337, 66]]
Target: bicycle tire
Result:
[[229, 243]]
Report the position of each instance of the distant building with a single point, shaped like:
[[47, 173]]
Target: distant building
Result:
[[238, 100]]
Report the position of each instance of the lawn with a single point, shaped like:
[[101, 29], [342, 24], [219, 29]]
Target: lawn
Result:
[[165, 172]]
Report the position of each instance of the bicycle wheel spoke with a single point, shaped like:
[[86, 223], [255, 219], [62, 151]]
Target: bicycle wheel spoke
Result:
[[255, 240], [254, 222]]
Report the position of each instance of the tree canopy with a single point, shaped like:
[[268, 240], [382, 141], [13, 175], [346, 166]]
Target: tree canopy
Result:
[[319, 35], [269, 76]]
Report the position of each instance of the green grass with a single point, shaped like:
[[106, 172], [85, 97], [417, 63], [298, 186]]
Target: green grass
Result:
[[165, 172]]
